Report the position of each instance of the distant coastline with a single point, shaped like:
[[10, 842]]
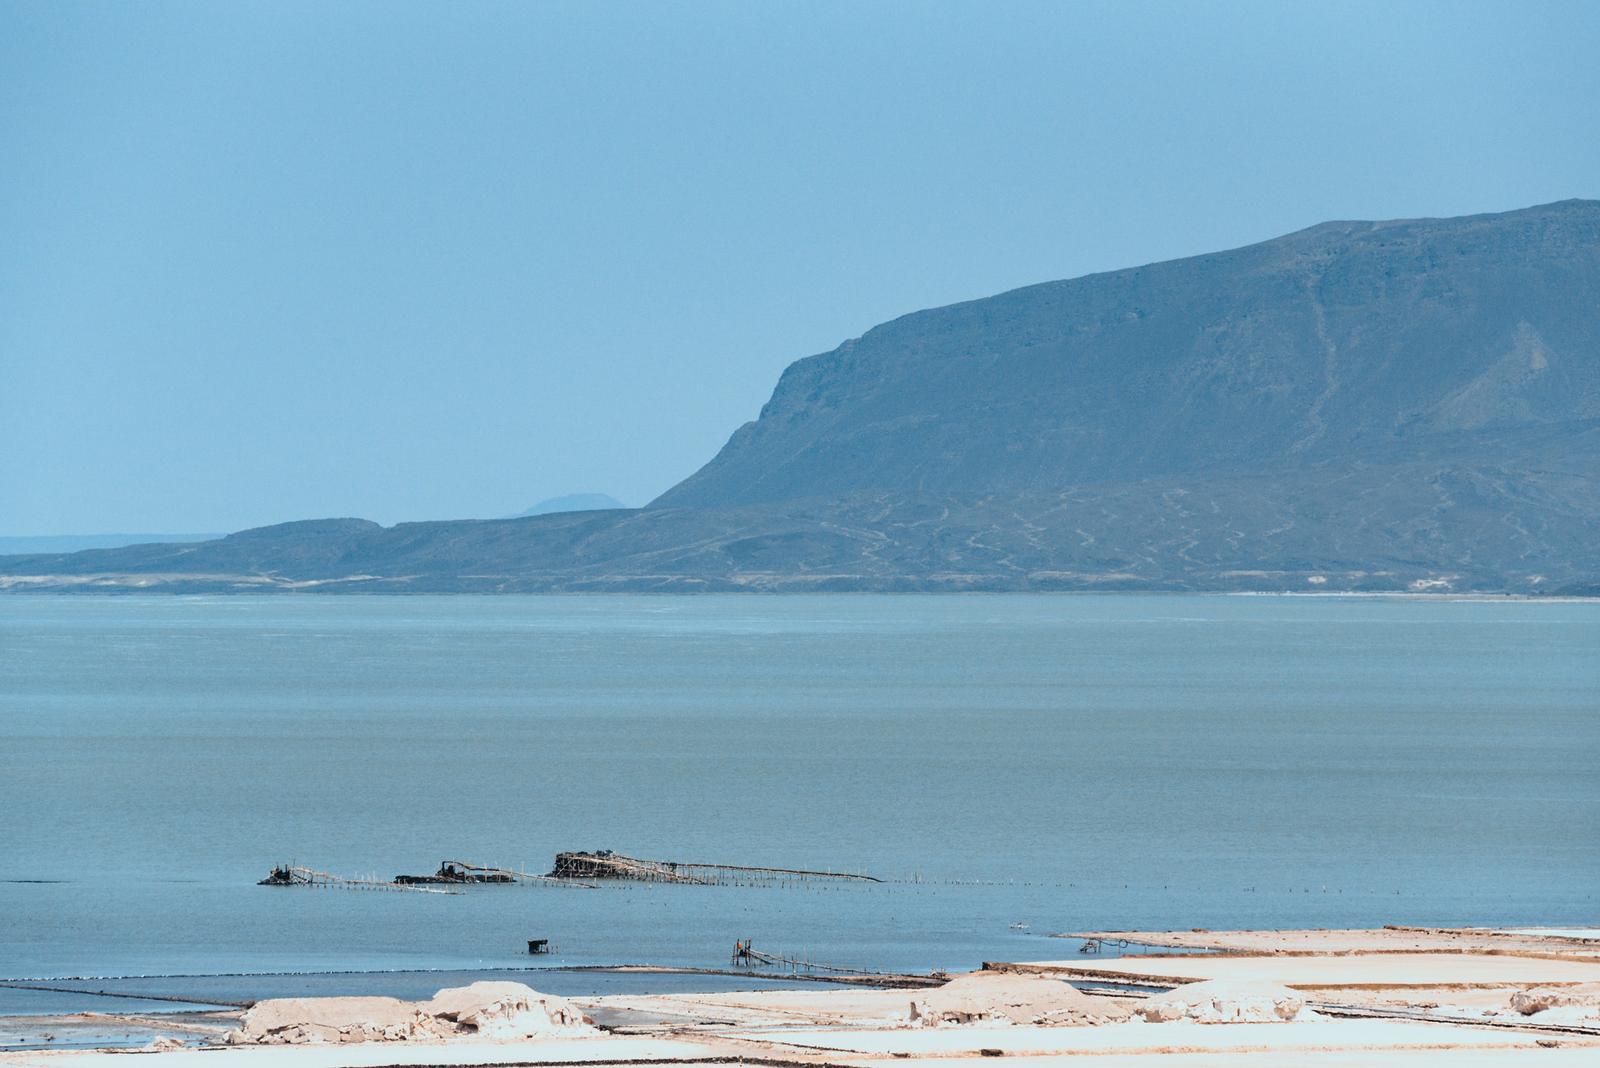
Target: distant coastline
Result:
[[39, 544], [1296, 416]]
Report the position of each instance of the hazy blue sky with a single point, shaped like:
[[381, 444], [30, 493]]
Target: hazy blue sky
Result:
[[273, 261]]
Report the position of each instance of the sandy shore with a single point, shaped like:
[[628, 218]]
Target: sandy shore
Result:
[[1391, 998]]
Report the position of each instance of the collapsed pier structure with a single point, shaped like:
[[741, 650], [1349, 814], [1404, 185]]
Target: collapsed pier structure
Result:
[[574, 869], [461, 872], [297, 875], [606, 864]]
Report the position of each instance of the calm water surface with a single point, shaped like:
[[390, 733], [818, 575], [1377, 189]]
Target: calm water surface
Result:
[[1061, 762]]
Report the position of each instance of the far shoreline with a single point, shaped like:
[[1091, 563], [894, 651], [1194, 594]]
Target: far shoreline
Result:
[[86, 586]]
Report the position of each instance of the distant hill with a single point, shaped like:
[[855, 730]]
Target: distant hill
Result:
[[572, 502], [1408, 405]]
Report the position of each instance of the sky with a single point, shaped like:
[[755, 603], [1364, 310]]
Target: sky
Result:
[[273, 261]]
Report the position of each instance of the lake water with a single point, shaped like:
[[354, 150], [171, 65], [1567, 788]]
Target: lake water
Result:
[[1064, 762]]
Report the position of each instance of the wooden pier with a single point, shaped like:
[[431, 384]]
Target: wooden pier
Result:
[[574, 869], [296, 875], [605, 864], [462, 872]]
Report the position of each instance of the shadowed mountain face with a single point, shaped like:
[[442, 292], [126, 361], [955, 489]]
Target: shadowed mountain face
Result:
[[1363, 406], [1346, 340]]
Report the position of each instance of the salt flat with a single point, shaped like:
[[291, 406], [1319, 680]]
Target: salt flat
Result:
[[1451, 1057], [1396, 1009], [1575, 940], [588, 1050], [1357, 969], [1139, 1037]]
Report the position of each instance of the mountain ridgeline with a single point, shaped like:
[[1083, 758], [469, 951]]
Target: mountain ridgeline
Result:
[[1408, 405], [1344, 342]]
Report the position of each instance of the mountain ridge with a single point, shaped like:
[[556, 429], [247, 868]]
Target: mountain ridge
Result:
[[1127, 331]]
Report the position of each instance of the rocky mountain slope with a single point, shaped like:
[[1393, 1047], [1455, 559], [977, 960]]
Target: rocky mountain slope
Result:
[[1409, 405], [1347, 340]]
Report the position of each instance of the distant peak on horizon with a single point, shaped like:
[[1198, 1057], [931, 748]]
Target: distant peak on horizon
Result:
[[572, 502]]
